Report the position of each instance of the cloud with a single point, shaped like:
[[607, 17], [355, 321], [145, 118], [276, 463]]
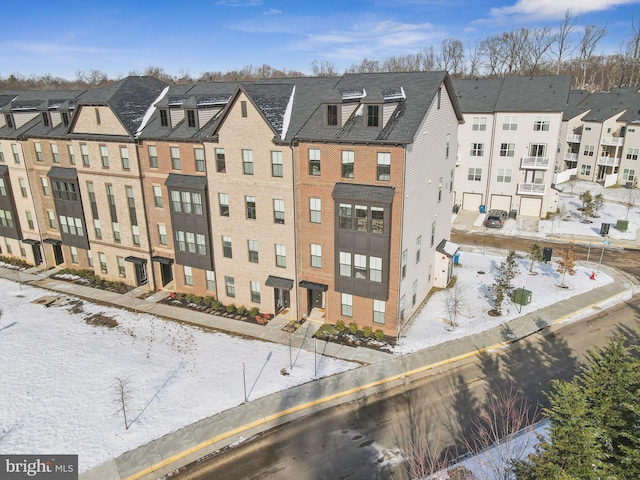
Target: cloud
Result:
[[272, 11], [555, 9], [239, 3]]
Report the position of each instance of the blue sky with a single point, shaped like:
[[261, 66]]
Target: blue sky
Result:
[[63, 36]]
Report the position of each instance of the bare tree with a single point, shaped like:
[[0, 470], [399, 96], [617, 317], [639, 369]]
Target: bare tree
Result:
[[122, 392], [452, 53], [634, 48], [475, 57], [424, 457], [631, 201], [323, 68], [455, 302], [539, 45], [567, 263], [562, 39], [587, 44]]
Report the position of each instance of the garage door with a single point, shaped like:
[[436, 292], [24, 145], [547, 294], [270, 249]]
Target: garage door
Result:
[[531, 207], [471, 201], [501, 202]]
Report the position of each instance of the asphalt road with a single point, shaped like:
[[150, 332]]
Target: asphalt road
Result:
[[365, 439]]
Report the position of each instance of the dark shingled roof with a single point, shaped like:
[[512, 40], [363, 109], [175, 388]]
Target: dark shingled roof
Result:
[[479, 95], [186, 181], [3, 170], [272, 100], [279, 282], [356, 191], [64, 173]]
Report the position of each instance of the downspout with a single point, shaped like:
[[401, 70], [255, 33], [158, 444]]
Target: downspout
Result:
[[296, 224], [490, 165], [137, 146], [404, 180]]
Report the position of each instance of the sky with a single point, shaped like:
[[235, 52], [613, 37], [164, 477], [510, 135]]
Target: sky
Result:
[[120, 36]]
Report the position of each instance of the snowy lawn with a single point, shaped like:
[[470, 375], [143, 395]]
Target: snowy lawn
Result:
[[429, 327], [58, 375]]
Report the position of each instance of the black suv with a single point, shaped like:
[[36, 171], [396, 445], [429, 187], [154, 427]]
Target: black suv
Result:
[[495, 219]]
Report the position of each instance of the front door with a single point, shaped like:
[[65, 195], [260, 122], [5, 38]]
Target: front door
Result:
[[282, 299], [57, 253], [315, 299], [141, 273], [166, 273], [37, 256]]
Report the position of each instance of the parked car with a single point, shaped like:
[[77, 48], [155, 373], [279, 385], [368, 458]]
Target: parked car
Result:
[[495, 219]]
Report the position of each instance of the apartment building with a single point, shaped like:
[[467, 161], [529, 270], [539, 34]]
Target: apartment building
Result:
[[508, 144]]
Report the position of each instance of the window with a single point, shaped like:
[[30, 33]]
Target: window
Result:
[[188, 275], [103, 262], [116, 231], [221, 164], [191, 241], [3, 188], [628, 175], [475, 174], [418, 248], [211, 280], [362, 218], [384, 166], [360, 266], [197, 203], [104, 155], [54, 153], [223, 198], [414, 292], [375, 269], [243, 107], [135, 233], [314, 161], [509, 122], [276, 164], [97, 228], [316, 255], [16, 154], [230, 286], [23, 187], [345, 217], [164, 118], [537, 149], [38, 150], [315, 205], [162, 234], [278, 211], [72, 155], [84, 151], [226, 247], [52, 218], [191, 118], [45, 186], [541, 124], [250, 204], [332, 115], [253, 250], [373, 115], [153, 156], [1, 154], [6, 219], [175, 158], [30, 220], [74, 255], [433, 233], [440, 189], [65, 191], [198, 154], [347, 304], [131, 202], [345, 264], [124, 157], [45, 118], [507, 149], [255, 291], [90, 258], [121, 267], [589, 150], [9, 120], [157, 196], [379, 307], [281, 256], [247, 162], [377, 220], [181, 241], [111, 198], [97, 116], [347, 164], [439, 98], [65, 119], [504, 175], [632, 154], [479, 124], [477, 149], [446, 154]]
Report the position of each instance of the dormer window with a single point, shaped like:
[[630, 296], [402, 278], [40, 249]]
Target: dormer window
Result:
[[191, 118], [45, 118], [332, 115], [65, 119], [373, 115], [97, 116], [164, 119], [9, 120]]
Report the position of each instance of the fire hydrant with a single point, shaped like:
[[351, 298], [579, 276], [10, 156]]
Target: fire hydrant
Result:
[[593, 276]]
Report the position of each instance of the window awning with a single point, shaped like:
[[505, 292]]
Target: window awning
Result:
[[314, 286], [163, 260], [136, 260], [279, 282], [51, 241], [195, 182], [30, 241]]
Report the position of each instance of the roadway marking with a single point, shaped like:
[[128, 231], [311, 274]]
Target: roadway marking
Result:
[[306, 405]]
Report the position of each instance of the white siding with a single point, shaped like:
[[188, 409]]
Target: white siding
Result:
[[56, 118], [387, 112], [177, 115], [20, 118], [346, 110], [207, 114]]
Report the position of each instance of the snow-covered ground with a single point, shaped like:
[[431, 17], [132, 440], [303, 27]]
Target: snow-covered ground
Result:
[[58, 375], [429, 327]]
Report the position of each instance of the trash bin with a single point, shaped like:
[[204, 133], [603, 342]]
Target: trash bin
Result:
[[483, 208], [622, 225], [513, 214], [521, 296], [546, 254], [604, 229], [456, 208], [456, 258]]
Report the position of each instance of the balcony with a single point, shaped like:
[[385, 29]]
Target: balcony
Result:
[[571, 138], [612, 141], [535, 163], [531, 189], [608, 161], [571, 157]]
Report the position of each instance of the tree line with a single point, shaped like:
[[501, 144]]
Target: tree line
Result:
[[569, 49]]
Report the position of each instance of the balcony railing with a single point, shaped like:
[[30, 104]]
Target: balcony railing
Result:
[[571, 157], [574, 138], [535, 163], [613, 141], [531, 189], [608, 161]]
